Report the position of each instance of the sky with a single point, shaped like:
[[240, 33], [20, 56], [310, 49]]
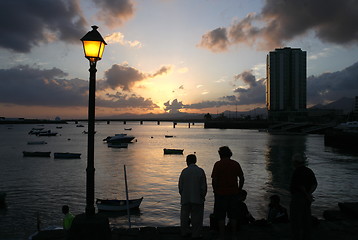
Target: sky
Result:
[[169, 56]]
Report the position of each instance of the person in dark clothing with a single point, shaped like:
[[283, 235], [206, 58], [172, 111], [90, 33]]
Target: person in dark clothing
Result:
[[245, 216], [276, 213], [227, 181], [303, 184]]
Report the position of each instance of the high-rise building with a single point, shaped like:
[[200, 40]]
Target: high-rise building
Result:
[[286, 84]]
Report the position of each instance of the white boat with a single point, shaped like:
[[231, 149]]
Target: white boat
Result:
[[117, 205], [119, 138]]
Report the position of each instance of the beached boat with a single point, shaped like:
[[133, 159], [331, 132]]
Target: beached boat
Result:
[[36, 142], [117, 205], [36, 154], [117, 145], [119, 138], [66, 155], [173, 151]]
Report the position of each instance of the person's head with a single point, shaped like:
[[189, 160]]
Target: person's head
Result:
[[65, 209], [274, 200], [225, 152], [298, 159], [243, 195], [190, 159]]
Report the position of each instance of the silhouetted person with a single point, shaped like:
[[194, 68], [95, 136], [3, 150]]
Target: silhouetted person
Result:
[[225, 175], [244, 216], [276, 213], [303, 184], [67, 220], [192, 188]]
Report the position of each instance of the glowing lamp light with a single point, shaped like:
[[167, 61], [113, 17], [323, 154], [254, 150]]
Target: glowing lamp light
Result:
[[93, 45]]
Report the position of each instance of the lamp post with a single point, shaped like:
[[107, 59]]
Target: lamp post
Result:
[[93, 45]]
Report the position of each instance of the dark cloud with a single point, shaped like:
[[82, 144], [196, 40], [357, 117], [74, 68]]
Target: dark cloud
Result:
[[125, 77], [27, 86], [333, 86], [121, 100], [215, 40], [174, 107], [161, 71], [283, 20], [23, 85], [114, 12], [25, 24], [254, 93], [210, 104]]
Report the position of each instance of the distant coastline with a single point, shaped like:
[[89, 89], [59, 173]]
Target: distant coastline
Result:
[[30, 121]]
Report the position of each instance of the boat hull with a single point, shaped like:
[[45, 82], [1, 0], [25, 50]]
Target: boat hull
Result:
[[66, 155], [36, 154], [117, 205], [173, 151]]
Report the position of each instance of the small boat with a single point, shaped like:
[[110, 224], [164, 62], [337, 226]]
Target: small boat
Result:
[[66, 155], [173, 151], [36, 142], [46, 133], [36, 154], [34, 131], [117, 205], [117, 145], [119, 138]]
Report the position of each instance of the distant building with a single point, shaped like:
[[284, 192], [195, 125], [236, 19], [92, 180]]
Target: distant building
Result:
[[286, 93]]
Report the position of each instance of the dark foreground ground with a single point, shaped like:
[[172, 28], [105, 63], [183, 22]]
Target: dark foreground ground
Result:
[[339, 224], [325, 230]]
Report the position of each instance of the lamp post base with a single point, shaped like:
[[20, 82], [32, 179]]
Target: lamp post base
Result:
[[95, 227]]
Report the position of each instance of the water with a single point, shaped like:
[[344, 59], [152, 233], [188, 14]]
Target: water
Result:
[[43, 185]]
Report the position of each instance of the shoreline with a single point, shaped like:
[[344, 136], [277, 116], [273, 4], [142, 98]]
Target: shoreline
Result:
[[338, 223]]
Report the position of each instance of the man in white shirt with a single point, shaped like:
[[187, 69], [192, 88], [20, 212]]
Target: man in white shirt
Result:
[[192, 188]]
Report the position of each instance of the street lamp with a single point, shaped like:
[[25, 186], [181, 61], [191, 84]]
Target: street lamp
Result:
[[93, 45]]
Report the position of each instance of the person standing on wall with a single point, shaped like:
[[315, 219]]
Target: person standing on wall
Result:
[[303, 184], [227, 181], [192, 189]]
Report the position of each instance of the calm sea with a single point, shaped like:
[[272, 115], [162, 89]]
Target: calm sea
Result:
[[42, 185]]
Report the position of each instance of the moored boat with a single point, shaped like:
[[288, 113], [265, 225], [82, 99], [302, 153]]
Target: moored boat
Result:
[[117, 145], [36, 142], [115, 205], [47, 133], [66, 155], [36, 154], [173, 151], [119, 138]]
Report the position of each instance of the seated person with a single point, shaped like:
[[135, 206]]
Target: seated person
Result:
[[245, 216], [276, 213]]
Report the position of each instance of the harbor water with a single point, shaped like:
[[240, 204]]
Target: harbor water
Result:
[[39, 186]]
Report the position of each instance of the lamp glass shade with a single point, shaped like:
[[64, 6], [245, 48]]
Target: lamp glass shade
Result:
[[93, 50]]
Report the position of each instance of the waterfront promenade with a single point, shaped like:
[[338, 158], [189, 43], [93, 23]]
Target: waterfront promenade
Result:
[[325, 230]]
